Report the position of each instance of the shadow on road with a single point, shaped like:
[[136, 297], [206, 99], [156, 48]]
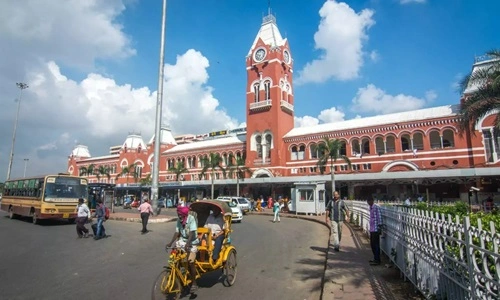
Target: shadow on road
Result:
[[49, 222]]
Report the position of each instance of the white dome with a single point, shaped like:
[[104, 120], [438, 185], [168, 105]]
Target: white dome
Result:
[[134, 141], [81, 151]]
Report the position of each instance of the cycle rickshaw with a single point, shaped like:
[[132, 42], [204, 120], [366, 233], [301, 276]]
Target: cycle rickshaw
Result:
[[175, 278]]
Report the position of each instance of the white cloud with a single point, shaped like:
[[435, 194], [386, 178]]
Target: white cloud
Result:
[[412, 1], [374, 56], [340, 37], [371, 99], [41, 40], [305, 121], [329, 115]]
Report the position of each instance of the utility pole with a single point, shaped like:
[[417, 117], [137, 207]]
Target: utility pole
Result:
[[22, 86], [159, 103], [25, 165]]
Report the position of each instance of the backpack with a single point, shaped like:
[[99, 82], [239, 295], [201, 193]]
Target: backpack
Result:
[[106, 213]]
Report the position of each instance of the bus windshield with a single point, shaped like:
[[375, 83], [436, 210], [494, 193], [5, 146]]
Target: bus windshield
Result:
[[65, 188]]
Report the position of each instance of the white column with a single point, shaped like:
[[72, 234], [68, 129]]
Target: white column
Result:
[[411, 142], [385, 146], [441, 139], [493, 145]]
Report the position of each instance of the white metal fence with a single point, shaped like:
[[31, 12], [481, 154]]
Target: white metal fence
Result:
[[444, 257]]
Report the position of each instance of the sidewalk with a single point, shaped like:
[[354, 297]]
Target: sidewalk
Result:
[[348, 275]]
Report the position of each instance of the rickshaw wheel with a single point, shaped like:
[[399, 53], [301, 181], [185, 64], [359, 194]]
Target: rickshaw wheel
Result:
[[161, 281], [230, 268]]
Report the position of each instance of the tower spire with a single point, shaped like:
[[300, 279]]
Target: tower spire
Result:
[[268, 7]]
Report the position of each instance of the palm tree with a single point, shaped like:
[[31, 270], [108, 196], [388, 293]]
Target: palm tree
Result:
[[103, 170], [486, 98], [178, 169], [329, 150], [236, 165], [87, 171], [212, 162], [146, 181], [127, 170]]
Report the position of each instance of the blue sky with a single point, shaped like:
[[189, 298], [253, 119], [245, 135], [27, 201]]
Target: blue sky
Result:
[[92, 66]]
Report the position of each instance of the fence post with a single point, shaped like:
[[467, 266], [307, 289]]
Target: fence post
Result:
[[469, 254]]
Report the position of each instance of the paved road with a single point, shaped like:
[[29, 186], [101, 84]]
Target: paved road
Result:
[[275, 261]]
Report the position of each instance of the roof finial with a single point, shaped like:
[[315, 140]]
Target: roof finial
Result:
[[269, 18]]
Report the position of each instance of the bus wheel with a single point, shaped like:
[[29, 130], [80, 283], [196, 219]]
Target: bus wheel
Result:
[[35, 219], [12, 215]]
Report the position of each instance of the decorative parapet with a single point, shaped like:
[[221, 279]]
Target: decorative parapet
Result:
[[286, 106], [261, 105]]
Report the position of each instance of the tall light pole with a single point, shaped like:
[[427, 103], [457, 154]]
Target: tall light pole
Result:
[[25, 165], [159, 102], [22, 86]]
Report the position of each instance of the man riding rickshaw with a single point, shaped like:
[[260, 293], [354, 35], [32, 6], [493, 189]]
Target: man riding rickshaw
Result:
[[201, 244]]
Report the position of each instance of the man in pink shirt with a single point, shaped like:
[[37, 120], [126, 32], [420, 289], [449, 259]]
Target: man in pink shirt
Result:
[[145, 209]]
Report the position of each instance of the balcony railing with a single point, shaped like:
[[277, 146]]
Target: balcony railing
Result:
[[286, 106], [261, 161], [261, 105]]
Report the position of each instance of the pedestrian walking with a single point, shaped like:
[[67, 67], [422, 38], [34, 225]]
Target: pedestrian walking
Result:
[[375, 231], [100, 213], [83, 214], [146, 210], [276, 210], [336, 213]]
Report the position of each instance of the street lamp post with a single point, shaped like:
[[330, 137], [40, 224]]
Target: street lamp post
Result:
[[159, 102], [25, 165], [21, 86]]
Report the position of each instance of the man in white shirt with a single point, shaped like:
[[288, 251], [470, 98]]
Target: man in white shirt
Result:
[[82, 217], [215, 222]]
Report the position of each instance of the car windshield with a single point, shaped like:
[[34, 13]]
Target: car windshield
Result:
[[232, 203], [242, 201]]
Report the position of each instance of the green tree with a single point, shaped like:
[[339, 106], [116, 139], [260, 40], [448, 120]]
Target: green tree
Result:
[[485, 97], [236, 166], [87, 171], [127, 171], [103, 171], [178, 169], [210, 163], [329, 151], [146, 181]]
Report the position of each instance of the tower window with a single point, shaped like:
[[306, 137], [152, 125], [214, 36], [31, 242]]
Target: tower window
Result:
[[267, 88], [256, 92]]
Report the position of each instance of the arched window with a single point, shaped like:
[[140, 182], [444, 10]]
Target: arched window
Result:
[[418, 141], [343, 148], [448, 138], [295, 153], [269, 140], [313, 150], [366, 146], [405, 142], [435, 140], [256, 92], [379, 145], [258, 142], [267, 89], [302, 150], [356, 148], [390, 144]]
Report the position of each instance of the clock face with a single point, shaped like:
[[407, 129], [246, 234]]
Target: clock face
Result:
[[259, 55], [286, 56]]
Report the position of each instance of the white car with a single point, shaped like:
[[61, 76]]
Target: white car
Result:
[[235, 207]]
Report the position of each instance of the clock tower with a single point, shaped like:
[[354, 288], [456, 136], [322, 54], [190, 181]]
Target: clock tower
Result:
[[269, 105]]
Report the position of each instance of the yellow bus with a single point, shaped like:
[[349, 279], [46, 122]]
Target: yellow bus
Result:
[[44, 197]]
